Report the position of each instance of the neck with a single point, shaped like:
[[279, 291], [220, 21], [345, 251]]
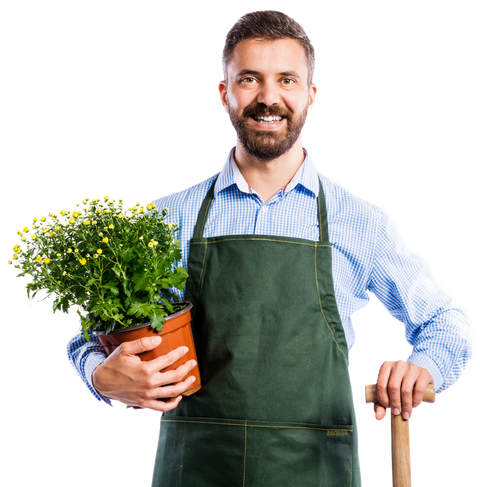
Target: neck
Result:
[[267, 178]]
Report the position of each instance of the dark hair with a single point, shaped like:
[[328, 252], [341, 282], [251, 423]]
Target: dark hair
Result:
[[267, 25]]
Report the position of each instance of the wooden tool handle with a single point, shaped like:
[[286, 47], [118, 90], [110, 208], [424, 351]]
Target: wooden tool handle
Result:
[[401, 473], [400, 439], [371, 393]]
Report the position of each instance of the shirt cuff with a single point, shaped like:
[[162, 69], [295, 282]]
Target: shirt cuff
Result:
[[422, 360], [91, 363]]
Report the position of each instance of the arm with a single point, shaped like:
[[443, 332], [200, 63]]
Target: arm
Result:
[[124, 377], [437, 330], [85, 356]]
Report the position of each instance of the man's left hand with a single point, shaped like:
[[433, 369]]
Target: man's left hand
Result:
[[400, 386]]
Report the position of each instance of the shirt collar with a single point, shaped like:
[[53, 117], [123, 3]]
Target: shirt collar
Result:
[[306, 176]]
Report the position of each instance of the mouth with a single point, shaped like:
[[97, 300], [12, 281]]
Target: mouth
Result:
[[268, 121]]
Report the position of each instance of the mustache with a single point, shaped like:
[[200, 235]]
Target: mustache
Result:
[[253, 110]]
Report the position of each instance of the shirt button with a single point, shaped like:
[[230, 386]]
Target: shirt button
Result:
[[264, 209]]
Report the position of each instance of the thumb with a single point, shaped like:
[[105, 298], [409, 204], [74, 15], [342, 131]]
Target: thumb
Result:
[[144, 344], [380, 411]]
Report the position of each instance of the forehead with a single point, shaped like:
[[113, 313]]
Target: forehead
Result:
[[268, 57]]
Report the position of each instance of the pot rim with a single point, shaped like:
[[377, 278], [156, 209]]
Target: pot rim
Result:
[[143, 325]]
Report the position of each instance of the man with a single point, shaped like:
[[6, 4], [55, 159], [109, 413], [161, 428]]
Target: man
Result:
[[273, 297]]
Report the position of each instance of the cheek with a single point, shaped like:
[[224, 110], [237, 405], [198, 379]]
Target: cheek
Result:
[[240, 99]]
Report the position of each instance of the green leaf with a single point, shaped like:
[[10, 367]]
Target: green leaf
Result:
[[112, 287], [125, 288], [168, 305], [157, 321], [117, 271], [139, 309], [142, 280]]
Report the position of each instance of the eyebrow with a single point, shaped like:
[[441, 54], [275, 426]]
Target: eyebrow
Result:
[[244, 72]]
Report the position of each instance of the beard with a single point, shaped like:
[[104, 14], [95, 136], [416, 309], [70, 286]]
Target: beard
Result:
[[266, 145]]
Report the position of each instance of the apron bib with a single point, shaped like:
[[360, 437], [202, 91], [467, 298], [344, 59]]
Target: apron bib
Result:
[[275, 408]]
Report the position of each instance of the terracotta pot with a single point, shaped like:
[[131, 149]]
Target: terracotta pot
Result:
[[177, 332]]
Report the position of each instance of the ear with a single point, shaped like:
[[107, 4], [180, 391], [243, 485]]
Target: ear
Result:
[[222, 88], [312, 92]]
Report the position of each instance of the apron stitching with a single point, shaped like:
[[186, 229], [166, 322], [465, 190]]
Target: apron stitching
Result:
[[351, 459], [320, 219], [313, 244], [321, 309], [200, 279], [254, 425], [245, 454], [205, 218]]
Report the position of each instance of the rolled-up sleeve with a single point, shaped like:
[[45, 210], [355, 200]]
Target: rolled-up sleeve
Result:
[[85, 356], [438, 331]]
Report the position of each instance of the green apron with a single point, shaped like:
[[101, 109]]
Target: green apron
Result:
[[275, 408]]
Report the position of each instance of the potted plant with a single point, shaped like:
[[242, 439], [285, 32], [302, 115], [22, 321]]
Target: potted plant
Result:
[[118, 267]]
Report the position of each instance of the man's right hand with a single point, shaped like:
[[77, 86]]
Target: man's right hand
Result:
[[124, 377]]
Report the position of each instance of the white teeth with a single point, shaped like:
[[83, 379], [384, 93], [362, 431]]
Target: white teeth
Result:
[[269, 119]]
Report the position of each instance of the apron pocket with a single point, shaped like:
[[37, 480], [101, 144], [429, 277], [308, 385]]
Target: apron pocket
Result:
[[200, 452], [296, 454], [217, 452]]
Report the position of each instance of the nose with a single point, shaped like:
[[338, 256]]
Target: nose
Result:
[[268, 94]]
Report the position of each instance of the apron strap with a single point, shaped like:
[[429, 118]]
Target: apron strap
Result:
[[202, 216], [322, 213]]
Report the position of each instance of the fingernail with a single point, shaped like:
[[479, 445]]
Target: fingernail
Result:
[[185, 349], [194, 363], [406, 415], [415, 405], [192, 380], [396, 411]]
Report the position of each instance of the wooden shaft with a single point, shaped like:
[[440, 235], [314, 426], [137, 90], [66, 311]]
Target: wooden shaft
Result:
[[371, 393], [401, 473]]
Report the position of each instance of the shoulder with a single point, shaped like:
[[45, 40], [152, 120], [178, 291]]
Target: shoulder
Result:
[[186, 203], [344, 207]]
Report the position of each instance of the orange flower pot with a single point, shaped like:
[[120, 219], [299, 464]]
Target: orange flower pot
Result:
[[177, 332]]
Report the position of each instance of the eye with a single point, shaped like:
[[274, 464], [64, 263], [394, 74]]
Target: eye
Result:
[[287, 81], [248, 80]]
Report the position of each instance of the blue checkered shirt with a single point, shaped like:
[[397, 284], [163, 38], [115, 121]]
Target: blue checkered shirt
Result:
[[367, 256]]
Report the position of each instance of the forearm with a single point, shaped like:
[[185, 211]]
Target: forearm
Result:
[[438, 331], [442, 346], [85, 356]]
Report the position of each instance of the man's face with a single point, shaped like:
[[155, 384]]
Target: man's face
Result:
[[267, 95]]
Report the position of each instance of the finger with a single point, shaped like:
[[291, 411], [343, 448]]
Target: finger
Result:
[[382, 384], [407, 392], [172, 390], [395, 386], [421, 384], [166, 360], [144, 344], [174, 376], [379, 411], [162, 406]]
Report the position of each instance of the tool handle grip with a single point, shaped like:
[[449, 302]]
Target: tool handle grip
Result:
[[401, 471], [371, 393]]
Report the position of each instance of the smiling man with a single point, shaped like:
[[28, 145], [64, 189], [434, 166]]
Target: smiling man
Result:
[[267, 92], [267, 101], [273, 297]]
